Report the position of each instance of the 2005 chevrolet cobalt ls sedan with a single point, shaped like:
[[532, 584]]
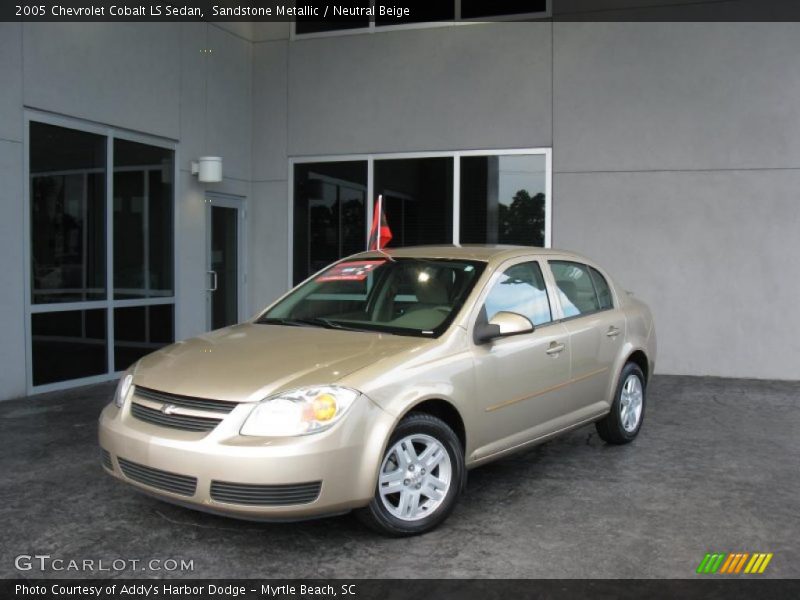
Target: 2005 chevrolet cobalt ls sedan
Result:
[[376, 383]]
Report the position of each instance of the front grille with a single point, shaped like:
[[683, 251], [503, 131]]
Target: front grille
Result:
[[185, 422], [220, 406], [162, 480], [265, 495], [106, 458]]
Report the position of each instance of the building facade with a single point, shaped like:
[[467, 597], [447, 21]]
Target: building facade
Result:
[[668, 152]]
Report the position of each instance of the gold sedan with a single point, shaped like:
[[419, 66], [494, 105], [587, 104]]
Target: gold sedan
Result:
[[378, 382]]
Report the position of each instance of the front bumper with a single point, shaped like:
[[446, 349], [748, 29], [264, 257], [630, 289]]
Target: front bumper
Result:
[[247, 477]]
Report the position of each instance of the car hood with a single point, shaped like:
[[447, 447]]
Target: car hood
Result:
[[247, 362]]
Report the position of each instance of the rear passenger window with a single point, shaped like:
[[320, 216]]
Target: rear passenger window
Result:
[[521, 290], [575, 288], [603, 291]]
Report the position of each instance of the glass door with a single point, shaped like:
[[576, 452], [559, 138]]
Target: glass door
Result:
[[225, 273]]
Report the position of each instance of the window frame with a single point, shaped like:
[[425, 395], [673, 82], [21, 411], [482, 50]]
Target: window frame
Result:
[[587, 266], [457, 22], [109, 303], [456, 155]]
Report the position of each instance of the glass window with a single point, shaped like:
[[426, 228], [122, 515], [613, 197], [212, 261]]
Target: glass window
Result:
[[503, 199], [143, 226], [404, 296], [603, 291], [140, 330], [520, 290], [68, 345], [417, 199], [474, 9], [68, 208], [329, 214], [69, 175], [575, 288]]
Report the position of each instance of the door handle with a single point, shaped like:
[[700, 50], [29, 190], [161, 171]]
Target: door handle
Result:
[[613, 331], [213, 287], [555, 349]]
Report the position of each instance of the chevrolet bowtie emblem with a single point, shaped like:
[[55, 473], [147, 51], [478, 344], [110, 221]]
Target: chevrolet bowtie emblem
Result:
[[168, 409]]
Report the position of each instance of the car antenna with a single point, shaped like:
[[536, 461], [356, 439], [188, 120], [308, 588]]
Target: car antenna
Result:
[[388, 256]]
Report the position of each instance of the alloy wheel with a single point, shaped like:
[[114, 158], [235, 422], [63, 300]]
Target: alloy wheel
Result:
[[415, 477], [630, 405]]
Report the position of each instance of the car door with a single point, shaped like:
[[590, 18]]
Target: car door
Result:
[[521, 378], [596, 332]]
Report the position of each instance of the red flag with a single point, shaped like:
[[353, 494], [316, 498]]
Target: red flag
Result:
[[379, 234]]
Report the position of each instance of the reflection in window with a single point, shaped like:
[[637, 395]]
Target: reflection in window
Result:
[[520, 290], [329, 214], [68, 345], [417, 199], [140, 330], [575, 288], [67, 172], [503, 200], [143, 263]]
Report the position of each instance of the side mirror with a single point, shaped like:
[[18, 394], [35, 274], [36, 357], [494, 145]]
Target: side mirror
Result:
[[502, 324]]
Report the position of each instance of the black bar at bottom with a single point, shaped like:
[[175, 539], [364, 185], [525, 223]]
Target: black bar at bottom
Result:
[[709, 587]]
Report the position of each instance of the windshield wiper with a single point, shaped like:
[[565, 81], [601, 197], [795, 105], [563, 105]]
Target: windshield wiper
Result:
[[328, 324], [285, 321], [307, 322]]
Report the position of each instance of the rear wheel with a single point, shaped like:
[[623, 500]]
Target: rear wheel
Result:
[[622, 424], [419, 480]]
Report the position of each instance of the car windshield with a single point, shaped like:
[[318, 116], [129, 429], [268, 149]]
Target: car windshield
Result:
[[405, 296]]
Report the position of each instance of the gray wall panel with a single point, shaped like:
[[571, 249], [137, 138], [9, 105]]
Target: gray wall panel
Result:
[[123, 74], [637, 96], [190, 245], [194, 39], [11, 81], [474, 86], [713, 253], [269, 110], [268, 242], [12, 309], [230, 97]]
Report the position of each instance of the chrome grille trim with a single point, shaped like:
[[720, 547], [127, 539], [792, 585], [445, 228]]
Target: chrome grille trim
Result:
[[173, 421], [221, 406], [183, 485], [106, 458], [265, 495]]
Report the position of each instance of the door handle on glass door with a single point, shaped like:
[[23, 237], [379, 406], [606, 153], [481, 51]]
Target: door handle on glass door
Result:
[[613, 331], [213, 287], [555, 349]]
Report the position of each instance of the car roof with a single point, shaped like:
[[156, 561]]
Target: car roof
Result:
[[491, 253]]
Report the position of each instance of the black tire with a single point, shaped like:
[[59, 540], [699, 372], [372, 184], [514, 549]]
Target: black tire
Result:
[[610, 428], [378, 518]]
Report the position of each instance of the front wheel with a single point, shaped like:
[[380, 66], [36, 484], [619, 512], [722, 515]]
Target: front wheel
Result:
[[421, 475], [623, 423]]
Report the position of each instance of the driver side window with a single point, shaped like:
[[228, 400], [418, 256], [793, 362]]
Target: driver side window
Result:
[[521, 290]]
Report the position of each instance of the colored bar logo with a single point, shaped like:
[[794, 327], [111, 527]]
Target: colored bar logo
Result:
[[734, 563]]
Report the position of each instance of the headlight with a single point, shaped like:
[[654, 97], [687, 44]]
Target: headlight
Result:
[[123, 387], [299, 412]]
